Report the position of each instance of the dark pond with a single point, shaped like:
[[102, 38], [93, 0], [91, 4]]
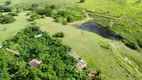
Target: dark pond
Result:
[[106, 33]]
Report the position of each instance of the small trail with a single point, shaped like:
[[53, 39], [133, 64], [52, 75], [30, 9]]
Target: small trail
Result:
[[88, 18]]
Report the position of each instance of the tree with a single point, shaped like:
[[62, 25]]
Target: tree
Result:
[[5, 8], [7, 19], [8, 2], [82, 1], [52, 6], [35, 5], [59, 34], [140, 42], [12, 14]]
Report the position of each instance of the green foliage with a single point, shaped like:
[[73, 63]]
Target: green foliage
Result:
[[47, 11], [140, 42], [34, 17], [5, 8], [59, 34], [131, 45], [62, 15], [53, 6], [56, 62], [13, 14], [8, 2], [138, 1], [69, 15], [35, 5], [82, 1], [6, 19]]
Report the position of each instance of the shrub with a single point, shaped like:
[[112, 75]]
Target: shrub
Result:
[[59, 34], [132, 45], [28, 14], [13, 14], [82, 1], [33, 17], [52, 6], [35, 5], [43, 16], [8, 2], [70, 15], [30, 19], [5, 9], [58, 19], [7, 19], [33, 23], [140, 42], [65, 22]]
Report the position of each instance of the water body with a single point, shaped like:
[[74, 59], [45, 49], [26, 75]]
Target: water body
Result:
[[95, 28]]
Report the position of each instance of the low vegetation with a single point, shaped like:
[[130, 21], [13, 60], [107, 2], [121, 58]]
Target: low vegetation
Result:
[[59, 34], [65, 15], [6, 19]]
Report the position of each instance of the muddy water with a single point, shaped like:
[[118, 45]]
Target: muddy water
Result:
[[106, 33]]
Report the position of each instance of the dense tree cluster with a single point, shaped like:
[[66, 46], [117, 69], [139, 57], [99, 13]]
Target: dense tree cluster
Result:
[[6, 19], [64, 16], [56, 63]]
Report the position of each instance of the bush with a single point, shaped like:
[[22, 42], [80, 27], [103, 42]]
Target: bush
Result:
[[33, 17], [65, 22], [82, 1], [33, 23], [59, 34], [30, 19], [43, 16], [5, 9], [13, 14], [69, 15], [132, 45], [7, 19], [7, 2], [62, 16], [35, 5], [140, 42], [52, 6], [28, 14], [47, 11]]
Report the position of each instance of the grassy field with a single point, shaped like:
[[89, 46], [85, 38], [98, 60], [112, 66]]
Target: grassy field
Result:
[[14, 27], [110, 61], [123, 16], [28, 3], [100, 53], [113, 58]]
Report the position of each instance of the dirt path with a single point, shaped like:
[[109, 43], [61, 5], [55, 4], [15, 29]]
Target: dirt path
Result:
[[88, 18]]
